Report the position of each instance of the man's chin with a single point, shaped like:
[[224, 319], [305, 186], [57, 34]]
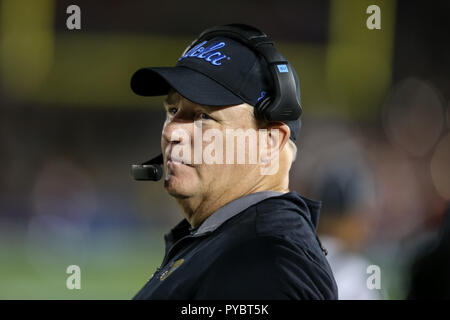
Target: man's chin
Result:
[[177, 191]]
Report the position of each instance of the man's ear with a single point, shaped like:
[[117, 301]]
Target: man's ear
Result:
[[276, 137], [283, 134]]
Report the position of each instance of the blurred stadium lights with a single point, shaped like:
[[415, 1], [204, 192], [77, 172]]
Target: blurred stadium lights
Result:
[[414, 116], [26, 45], [359, 60], [52, 66]]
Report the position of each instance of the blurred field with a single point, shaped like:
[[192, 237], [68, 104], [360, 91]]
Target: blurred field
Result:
[[112, 266]]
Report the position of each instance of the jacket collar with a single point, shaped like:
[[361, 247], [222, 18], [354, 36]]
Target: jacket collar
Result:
[[233, 208], [226, 212]]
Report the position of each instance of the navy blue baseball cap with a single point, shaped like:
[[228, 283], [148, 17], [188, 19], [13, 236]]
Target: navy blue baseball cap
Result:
[[217, 72]]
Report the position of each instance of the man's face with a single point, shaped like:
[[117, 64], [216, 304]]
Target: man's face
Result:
[[183, 177]]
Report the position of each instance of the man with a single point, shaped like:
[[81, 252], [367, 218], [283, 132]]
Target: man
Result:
[[245, 234]]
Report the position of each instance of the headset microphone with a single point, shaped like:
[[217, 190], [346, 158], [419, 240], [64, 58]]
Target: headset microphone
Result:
[[148, 171]]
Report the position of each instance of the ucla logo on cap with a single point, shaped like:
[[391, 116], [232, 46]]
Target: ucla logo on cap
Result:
[[210, 53], [263, 94]]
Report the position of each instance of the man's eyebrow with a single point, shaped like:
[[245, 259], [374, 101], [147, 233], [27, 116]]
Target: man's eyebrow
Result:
[[171, 99], [167, 104], [208, 109]]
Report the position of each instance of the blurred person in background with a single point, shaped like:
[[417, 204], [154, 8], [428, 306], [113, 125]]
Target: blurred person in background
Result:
[[343, 182]]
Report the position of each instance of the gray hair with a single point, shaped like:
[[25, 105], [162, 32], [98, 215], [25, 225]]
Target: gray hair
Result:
[[292, 147]]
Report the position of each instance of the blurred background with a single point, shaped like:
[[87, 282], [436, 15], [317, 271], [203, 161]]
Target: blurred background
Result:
[[374, 147]]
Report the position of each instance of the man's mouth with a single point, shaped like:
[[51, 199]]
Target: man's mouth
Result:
[[177, 161]]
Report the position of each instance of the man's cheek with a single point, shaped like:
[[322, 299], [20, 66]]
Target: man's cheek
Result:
[[204, 172]]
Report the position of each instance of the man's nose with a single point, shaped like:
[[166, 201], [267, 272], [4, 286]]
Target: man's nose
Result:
[[178, 132]]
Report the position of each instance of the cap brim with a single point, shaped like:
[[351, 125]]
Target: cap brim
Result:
[[191, 84]]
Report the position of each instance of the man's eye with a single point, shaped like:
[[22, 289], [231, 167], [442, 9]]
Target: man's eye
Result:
[[173, 110], [204, 116]]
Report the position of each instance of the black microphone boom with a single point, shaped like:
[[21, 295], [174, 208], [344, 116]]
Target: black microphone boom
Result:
[[148, 171]]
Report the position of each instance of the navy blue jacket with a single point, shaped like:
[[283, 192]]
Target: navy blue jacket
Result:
[[267, 251]]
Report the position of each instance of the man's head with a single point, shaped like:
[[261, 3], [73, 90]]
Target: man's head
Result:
[[220, 87]]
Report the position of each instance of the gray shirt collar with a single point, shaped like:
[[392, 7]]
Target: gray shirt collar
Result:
[[231, 209]]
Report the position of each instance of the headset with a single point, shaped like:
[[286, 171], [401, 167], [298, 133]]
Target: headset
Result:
[[282, 105]]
